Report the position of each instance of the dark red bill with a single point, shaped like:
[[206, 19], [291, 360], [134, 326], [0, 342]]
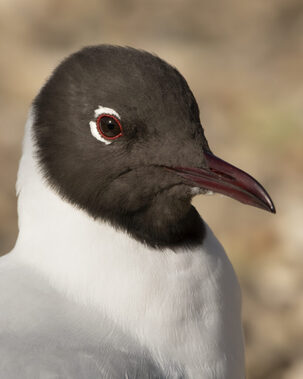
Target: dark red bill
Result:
[[224, 178]]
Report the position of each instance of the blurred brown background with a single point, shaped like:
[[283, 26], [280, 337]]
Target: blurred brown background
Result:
[[244, 62]]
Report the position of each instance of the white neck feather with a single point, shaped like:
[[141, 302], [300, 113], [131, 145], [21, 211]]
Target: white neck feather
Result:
[[153, 294]]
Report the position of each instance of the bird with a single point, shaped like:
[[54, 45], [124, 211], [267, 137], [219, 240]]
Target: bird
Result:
[[114, 273]]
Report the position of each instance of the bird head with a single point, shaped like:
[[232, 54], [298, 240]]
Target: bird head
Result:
[[118, 134]]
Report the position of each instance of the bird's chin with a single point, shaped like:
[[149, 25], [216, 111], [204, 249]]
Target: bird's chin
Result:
[[195, 191]]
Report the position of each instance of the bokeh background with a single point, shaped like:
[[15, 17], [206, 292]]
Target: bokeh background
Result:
[[244, 62]]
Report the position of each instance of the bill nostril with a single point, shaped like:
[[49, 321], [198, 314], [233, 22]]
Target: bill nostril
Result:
[[222, 174]]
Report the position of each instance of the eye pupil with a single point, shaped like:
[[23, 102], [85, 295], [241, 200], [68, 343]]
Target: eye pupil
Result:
[[109, 127]]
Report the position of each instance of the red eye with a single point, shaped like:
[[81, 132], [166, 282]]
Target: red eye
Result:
[[109, 126]]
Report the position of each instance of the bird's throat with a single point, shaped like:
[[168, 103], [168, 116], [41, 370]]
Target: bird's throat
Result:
[[164, 226]]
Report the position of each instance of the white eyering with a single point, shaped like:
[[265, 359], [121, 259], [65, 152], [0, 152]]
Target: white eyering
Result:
[[96, 134], [93, 125], [104, 110]]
